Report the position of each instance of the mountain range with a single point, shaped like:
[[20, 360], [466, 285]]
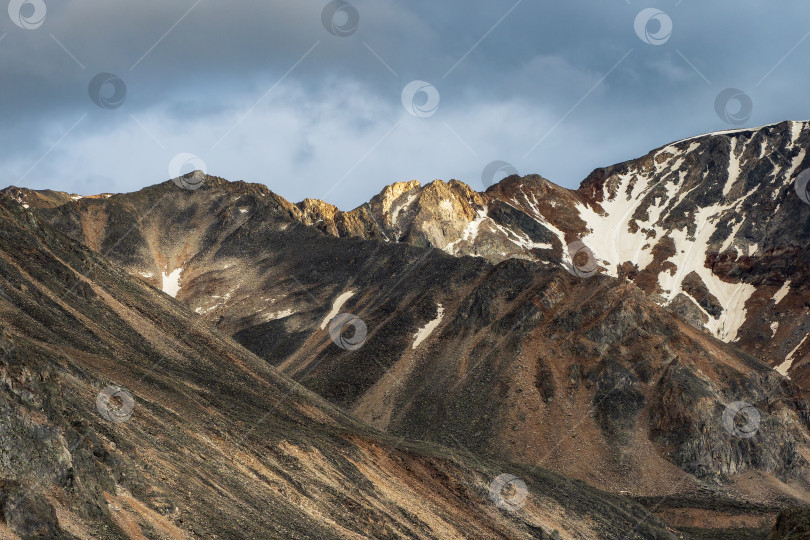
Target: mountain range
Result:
[[632, 353]]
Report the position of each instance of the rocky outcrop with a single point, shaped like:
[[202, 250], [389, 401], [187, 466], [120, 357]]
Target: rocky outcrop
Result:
[[792, 524], [45, 198], [29, 515], [712, 437], [693, 286], [447, 215]]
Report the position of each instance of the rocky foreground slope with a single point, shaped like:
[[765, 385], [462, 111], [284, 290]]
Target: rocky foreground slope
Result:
[[124, 415]]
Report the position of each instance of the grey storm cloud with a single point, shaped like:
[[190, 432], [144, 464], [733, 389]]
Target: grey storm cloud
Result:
[[262, 91]]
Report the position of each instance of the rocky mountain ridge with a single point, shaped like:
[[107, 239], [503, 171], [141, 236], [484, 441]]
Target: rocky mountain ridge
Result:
[[123, 415], [711, 226], [582, 335]]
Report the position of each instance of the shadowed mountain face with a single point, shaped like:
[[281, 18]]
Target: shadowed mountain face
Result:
[[124, 415], [638, 369]]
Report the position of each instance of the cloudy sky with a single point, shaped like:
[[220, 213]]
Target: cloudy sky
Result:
[[316, 98]]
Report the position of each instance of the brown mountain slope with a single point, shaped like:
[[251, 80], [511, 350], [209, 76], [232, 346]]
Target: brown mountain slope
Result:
[[214, 442], [521, 361]]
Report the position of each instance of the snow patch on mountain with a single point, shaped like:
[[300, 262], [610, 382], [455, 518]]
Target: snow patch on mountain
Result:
[[469, 234], [428, 329], [733, 168], [336, 305], [797, 161], [526, 245], [446, 206], [609, 237], [795, 130], [724, 132], [781, 293], [614, 243], [398, 209], [690, 254], [277, 315], [171, 282], [734, 228], [535, 213], [521, 240], [784, 367]]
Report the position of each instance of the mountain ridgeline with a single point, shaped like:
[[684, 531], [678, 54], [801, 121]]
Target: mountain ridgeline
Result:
[[644, 334], [123, 414]]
